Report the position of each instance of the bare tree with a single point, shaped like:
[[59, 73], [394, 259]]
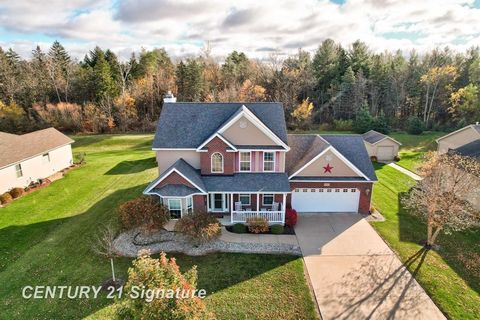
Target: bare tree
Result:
[[442, 197], [104, 245]]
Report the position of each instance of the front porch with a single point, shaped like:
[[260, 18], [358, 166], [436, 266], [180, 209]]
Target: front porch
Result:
[[238, 207]]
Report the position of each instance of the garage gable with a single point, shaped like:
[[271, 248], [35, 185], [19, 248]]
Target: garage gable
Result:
[[329, 163]]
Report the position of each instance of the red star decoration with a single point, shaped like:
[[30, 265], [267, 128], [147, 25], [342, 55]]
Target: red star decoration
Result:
[[327, 168]]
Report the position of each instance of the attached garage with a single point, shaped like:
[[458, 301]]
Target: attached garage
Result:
[[325, 199]]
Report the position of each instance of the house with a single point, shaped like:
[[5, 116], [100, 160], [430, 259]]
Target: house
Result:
[[32, 156], [236, 160], [381, 146], [459, 138]]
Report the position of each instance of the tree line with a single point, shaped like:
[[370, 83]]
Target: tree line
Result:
[[333, 88]]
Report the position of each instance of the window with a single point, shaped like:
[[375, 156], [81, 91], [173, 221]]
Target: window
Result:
[[189, 204], [175, 208], [269, 161], [18, 169], [244, 161], [46, 158], [345, 190], [337, 190], [218, 202], [217, 163], [244, 199], [353, 190], [267, 199]]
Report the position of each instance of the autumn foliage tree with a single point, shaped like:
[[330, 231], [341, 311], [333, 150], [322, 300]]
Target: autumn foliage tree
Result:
[[442, 197], [303, 113]]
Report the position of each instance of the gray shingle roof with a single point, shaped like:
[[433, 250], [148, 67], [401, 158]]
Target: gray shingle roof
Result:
[[187, 125], [471, 149], [248, 182], [305, 147], [255, 147], [477, 127], [15, 148], [346, 179], [373, 136], [174, 190]]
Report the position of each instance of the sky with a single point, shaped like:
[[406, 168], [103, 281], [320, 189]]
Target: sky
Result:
[[259, 28]]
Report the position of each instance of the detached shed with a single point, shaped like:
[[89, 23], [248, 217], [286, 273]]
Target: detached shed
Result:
[[383, 147]]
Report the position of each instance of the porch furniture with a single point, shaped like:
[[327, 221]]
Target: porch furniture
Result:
[[275, 206], [238, 206]]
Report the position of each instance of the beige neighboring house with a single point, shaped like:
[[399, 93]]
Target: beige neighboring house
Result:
[[378, 145], [458, 138], [32, 156]]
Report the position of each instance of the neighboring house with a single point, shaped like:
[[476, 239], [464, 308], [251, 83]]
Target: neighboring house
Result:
[[378, 145], [236, 160], [458, 138], [32, 156]]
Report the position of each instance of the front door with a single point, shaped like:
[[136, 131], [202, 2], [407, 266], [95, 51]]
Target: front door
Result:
[[218, 202]]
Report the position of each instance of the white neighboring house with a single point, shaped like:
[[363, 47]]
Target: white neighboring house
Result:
[[378, 145], [32, 156]]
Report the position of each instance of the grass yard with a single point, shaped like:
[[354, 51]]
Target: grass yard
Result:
[[45, 239], [449, 276]]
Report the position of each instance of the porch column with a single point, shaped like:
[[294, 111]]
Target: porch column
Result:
[[284, 204], [231, 208], [258, 202]]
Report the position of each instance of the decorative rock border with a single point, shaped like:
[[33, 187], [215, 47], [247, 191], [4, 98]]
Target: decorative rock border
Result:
[[130, 242]]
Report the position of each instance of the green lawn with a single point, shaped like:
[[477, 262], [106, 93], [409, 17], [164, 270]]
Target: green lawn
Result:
[[446, 275], [45, 239]]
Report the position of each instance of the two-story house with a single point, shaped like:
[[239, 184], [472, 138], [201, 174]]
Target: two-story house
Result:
[[237, 160]]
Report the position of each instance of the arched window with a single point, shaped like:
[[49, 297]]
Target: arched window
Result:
[[217, 163]]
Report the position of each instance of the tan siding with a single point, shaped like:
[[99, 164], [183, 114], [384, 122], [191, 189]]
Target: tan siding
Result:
[[372, 150], [457, 140], [250, 135], [165, 158], [340, 169]]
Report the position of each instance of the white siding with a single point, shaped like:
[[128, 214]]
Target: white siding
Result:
[[35, 168]]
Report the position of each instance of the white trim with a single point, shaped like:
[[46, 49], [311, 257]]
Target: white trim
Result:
[[274, 161], [216, 134], [339, 155], [457, 131], [211, 202], [240, 161], [257, 122], [250, 192], [328, 181], [166, 175], [249, 198], [211, 162], [174, 149], [175, 198], [263, 199], [183, 197]]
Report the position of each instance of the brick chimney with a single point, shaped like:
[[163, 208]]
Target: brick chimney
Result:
[[169, 97]]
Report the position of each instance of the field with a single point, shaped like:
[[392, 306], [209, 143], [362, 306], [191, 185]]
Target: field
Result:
[[46, 239]]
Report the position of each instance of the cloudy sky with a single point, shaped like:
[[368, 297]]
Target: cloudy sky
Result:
[[257, 27]]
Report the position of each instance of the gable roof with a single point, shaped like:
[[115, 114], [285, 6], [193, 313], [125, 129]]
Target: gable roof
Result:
[[188, 125], [471, 149], [374, 137], [475, 127], [16, 148], [305, 148], [246, 182], [182, 167]]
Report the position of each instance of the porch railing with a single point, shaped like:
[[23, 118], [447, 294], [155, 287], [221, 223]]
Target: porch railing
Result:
[[272, 216]]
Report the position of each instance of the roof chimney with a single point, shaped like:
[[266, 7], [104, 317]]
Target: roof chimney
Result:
[[169, 97]]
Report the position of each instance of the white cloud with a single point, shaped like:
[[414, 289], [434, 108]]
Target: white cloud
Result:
[[255, 27]]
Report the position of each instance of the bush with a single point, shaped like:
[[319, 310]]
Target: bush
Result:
[[200, 227], [276, 229], [145, 212], [380, 124], [239, 228], [396, 158], [363, 121], [157, 276], [5, 198], [343, 125], [291, 217], [257, 224], [374, 159], [415, 125], [16, 192]]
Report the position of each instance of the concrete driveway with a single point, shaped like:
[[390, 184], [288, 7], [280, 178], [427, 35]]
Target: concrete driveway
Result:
[[355, 275]]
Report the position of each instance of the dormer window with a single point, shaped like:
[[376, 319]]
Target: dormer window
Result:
[[245, 161], [269, 161], [217, 162]]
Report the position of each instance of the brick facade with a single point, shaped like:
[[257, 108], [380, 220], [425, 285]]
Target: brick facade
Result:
[[365, 196], [199, 203], [217, 145], [174, 178]]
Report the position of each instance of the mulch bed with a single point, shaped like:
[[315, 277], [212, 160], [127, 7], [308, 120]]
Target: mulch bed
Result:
[[286, 230]]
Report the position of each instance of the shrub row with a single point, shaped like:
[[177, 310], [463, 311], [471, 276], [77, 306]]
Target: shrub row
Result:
[[7, 197]]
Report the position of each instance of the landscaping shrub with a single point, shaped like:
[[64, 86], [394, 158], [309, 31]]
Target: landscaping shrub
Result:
[[291, 217], [239, 228], [200, 227], [257, 224], [374, 158], [396, 158], [415, 125], [276, 229], [16, 192], [5, 198], [153, 274], [145, 212]]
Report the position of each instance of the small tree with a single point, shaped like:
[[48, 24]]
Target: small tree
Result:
[[104, 245], [363, 121], [302, 113], [145, 212], [200, 227], [414, 125], [440, 197], [162, 274]]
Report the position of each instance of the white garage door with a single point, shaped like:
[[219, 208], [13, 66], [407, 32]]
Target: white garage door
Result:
[[325, 200], [385, 153]]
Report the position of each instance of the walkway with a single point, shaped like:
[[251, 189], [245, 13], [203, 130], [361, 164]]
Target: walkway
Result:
[[409, 173], [355, 275]]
